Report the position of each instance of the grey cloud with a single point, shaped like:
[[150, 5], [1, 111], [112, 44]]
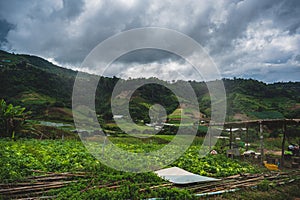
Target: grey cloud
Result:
[[240, 15], [147, 56], [287, 15], [4, 29], [72, 8], [297, 58], [277, 74], [67, 30]]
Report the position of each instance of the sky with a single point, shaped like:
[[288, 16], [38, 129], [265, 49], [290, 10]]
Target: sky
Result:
[[257, 39]]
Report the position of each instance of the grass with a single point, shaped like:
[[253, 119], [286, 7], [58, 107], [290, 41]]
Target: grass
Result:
[[176, 114]]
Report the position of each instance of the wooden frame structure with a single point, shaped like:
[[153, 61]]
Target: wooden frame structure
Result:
[[261, 122]]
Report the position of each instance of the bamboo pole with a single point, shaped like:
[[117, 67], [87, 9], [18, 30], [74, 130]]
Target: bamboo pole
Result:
[[34, 187]]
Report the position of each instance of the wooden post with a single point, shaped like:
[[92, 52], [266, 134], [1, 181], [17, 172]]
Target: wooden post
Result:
[[209, 132], [282, 145], [261, 142], [103, 145], [247, 139], [230, 140]]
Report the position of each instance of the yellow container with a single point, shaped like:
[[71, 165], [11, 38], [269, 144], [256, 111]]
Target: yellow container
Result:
[[271, 167]]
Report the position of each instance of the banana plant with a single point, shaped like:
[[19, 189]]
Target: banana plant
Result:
[[12, 118]]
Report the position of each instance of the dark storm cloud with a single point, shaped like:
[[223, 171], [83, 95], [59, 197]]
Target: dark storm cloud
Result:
[[147, 56], [240, 14], [287, 15], [241, 36], [71, 8], [4, 28]]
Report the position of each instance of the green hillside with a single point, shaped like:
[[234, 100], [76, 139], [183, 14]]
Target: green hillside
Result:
[[46, 90], [254, 99]]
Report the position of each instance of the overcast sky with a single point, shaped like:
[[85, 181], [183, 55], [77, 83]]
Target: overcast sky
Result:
[[257, 39]]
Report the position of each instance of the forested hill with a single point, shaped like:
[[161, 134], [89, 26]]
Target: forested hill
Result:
[[46, 90]]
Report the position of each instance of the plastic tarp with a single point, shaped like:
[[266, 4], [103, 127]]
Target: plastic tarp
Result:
[[180, 176]]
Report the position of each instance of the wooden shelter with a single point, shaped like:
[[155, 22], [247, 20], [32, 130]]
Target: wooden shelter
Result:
[[260, 123]]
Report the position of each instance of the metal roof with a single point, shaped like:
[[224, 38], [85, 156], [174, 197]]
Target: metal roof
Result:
[[256, 122]]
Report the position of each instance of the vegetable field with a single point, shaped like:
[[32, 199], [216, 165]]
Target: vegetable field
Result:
[[30, 158]]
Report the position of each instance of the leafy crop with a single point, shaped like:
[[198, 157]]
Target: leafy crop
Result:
[[212, 165], [19, 158]]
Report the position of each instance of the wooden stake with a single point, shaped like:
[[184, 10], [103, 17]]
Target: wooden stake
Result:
[[230, 132], [261, 142], [247, 138], [282, 145]]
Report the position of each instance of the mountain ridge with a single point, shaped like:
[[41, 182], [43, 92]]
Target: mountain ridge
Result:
[[39, 85]]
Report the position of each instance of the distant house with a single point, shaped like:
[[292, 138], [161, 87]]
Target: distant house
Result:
[[5, 60], [118, 116]]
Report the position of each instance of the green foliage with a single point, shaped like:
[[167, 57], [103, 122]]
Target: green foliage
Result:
[[38, 85], [19, 158], [264, 185], [294, 114], [202, 130], [212, 165], [267, 115], [272, 100], [11, 118]]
